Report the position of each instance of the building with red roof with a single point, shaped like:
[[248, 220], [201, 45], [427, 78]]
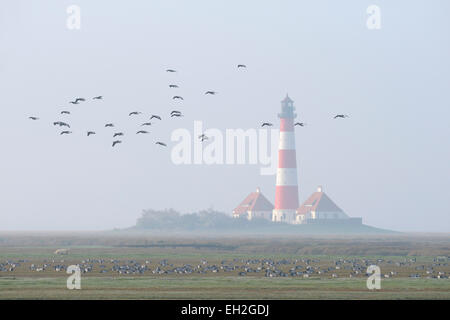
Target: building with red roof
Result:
[[255, 205], [319, 208]]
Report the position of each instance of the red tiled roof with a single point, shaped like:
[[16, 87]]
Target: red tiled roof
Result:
[[255, 201], [318, 202]]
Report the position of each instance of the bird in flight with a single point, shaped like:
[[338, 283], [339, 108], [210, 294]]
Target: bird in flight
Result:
[[301, 124], [268, 124], [340, 116], [33, 118], [116, 142], [161, 144], [175, 111], [203, 137], [97, 98], [65, 132], [77, 100], [118, 134], [178, 97], [142, 131], [65, 112], [176, 115], [90, 133], [109, 125], [134, 113], [61, 124], [171, 70], [211, 92], [155, 117], [173, 86], [146, 124], [242, 66]]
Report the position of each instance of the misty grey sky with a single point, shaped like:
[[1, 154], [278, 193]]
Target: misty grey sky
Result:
[[389, 162]]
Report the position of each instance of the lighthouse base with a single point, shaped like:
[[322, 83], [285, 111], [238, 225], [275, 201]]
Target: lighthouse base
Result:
[[284, 215]]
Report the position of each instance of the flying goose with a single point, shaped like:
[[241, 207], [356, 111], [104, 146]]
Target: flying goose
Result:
[[340, 116]]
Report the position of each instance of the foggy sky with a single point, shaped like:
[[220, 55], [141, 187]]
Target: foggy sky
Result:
[[388, 162]]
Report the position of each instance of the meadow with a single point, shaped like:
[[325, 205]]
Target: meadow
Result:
[[220, 288], [142, 266]]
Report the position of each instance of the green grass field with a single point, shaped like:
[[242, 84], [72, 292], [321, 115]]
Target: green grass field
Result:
[[24, 282], [220, 288]]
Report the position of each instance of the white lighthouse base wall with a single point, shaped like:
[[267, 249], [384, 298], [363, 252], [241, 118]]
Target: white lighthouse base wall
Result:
[[284, 215], [329, 215], [260, 215], [302, 218], [250, 215]]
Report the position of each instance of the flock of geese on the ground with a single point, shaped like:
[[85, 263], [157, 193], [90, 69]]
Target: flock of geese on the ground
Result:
[[267, 267], [175, 113]]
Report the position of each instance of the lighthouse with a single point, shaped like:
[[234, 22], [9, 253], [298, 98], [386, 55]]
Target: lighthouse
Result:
[[286, 192]]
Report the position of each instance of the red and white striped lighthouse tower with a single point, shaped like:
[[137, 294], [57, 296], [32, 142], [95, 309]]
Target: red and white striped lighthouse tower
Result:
[[286, 194]]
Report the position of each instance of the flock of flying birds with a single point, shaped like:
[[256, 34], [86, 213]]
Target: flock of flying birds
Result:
[[175, 113], [302, 124], [107, 125]]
